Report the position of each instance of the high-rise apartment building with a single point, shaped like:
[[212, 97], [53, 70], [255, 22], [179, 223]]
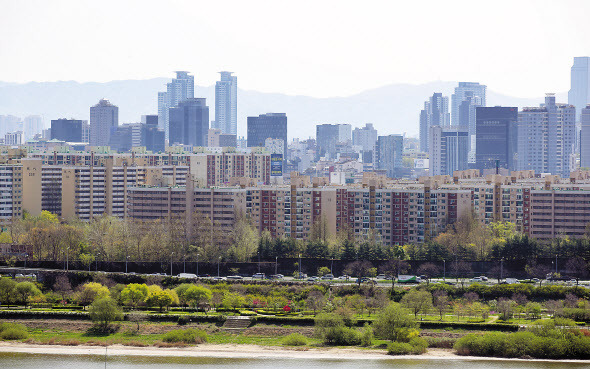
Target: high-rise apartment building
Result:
[[546, 137], [189, 122], [14, 138], [496, 132], [388, 154], [448, 149], [435, 113], [155, 138], [585, 138], [226, 104], [33, 124], [179, 89], [365, 137], [270, 125], [69, 130], [579, 93], [104, 119], [461, 92], [329, 135]]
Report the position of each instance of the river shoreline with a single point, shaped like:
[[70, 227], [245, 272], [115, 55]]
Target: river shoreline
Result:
[[248, 352]]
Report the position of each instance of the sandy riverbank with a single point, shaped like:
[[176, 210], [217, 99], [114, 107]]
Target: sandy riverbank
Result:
[[242, 352]]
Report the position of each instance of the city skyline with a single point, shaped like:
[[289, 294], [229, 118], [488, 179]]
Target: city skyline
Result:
[[299, 63]]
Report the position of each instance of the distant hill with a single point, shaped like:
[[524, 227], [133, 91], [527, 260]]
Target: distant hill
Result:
[[392, 109]]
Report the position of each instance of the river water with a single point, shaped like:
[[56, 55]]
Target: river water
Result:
[[41, 361]]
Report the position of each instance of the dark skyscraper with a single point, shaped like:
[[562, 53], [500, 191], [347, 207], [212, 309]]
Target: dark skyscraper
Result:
[[155, 138], [496, 132], [189, 122], [68, 130], [271, 125]]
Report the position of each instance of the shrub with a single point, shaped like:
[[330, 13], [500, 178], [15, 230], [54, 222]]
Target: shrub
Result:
[[399, 348], [295, 339], [419, 345], [104, 311], [394, 323], [367, 335], [13, 331], [185, 336], [331, 329], [441, 342]]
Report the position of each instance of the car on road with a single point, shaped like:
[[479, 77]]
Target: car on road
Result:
[[327, 277], [313, 279], [259, 276], [235, 277], [187, 275], [476, 279]]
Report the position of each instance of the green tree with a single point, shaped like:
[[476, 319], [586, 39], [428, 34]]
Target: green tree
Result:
[[323, 271], [7, 287], [160, 298], [197, 295], [233, 300], [417, 301], [134, 294], [104, 311], [244, 241], [90, 292], [26, 290], [394, 323]]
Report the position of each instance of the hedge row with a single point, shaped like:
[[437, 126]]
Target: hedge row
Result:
[[472, 326]]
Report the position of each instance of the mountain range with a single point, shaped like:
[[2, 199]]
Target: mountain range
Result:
[[393, 108]]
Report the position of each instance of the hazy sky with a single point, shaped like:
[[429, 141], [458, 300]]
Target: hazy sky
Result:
[[317, 48]]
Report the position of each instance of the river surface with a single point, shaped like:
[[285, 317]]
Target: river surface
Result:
[[42, 361]]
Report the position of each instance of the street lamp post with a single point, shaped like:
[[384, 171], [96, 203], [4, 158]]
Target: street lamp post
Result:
[[299, 265], [26, 257], [96, 261], [184, 263], [218, 262], [501, 268], [276, 264], [258, 261], [171, 255], [67, 258], [556, 265], [126, 260], [444, 270], [332, 266], [198, 264]]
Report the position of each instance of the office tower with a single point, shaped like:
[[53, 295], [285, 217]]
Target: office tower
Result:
[[33, 124], [585, 138], [388, 154], [228, 140], [226, 104], [435, 113], [546, 137], [458, 97], [104, 119], [448, 149], [179, 89], [328, 135], [579, 93], [189, 122], [270, 125], [68, 130], [496, 132], [9, 123], [155, 138], [365, 137], [122, 138]]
